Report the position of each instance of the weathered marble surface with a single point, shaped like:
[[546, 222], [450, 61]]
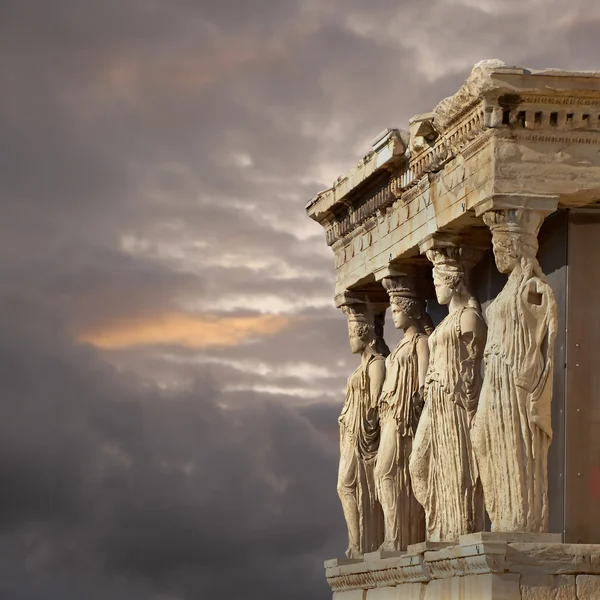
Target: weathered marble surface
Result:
[[400, 406], [486, 165], [512, 430], [507, 130], [442, 465], [359, 436], [484, 566]]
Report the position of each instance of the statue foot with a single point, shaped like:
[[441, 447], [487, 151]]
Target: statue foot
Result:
[[353, 552]]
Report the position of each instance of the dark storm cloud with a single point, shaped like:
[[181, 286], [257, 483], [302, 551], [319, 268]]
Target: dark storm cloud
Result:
[[311, 354], [110, 478], [157, 156], [93, 286]]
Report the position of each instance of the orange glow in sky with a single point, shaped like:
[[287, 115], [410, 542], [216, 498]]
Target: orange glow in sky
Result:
[[183, 330]]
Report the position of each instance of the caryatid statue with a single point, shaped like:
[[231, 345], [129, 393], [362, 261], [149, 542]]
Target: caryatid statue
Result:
[[400, 407], [512, 430], [359, 436], [442, 465]]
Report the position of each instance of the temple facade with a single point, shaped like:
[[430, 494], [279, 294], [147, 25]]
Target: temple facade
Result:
[[471, 453]]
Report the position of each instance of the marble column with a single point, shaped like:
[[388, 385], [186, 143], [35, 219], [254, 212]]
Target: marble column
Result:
[[360, 432], [442, 465], [400, 407], [512, 429]]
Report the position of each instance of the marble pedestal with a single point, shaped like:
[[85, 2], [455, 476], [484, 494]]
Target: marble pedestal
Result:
[[482, 566]]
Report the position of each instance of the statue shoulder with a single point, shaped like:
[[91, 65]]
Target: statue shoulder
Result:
[[472, 321], [536, 294], [376, 371], [376, 364], [422, 343]]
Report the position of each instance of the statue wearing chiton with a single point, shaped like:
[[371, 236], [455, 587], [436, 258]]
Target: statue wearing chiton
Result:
[[442, 466], [359, 437], [400, 407], [512, 430]]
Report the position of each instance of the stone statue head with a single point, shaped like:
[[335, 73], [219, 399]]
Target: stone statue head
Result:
[[361, 326], [514, 236], [407, 306], [451, 266], [448, 273]]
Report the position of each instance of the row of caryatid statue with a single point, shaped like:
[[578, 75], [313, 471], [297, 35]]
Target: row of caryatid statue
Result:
[[427, 441]]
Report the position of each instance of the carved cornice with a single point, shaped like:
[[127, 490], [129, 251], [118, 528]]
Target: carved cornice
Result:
[[415, 191], [408, 182], [355, 215], [478, 143], [460, 131], [466, 560], [390, 572], [466, 134], [538, 107], [493, 553], [456, 561], [462, 114], [378, 578], [559, 137], [542, 203], [560, 100]]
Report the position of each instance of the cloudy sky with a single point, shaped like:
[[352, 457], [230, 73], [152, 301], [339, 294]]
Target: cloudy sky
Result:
[[171, 366]]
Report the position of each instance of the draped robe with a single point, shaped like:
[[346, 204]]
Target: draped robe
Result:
[[512, 430], [359, 442], [442, 465], [400, 407]]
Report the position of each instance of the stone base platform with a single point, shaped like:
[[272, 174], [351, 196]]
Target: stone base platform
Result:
[[482, 566]]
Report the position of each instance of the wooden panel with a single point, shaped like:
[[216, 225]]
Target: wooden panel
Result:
[[583, 380]]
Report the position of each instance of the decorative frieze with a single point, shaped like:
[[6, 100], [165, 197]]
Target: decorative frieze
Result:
[[496, 100], [490, 555]]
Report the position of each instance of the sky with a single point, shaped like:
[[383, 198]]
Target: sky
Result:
[[171, 363]]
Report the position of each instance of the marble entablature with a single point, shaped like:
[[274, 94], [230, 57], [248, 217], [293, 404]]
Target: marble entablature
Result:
[[508, 137]]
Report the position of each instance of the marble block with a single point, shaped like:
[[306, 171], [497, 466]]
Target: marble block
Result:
[[482, 566]]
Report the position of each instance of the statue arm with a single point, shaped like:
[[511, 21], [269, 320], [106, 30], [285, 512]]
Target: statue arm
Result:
[[376, 379], [418, 397], [369, 440], [541, 316], [423, 359]]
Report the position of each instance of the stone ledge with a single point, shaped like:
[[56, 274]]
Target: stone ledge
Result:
[[554, 558], [527, 561], [492, 536]]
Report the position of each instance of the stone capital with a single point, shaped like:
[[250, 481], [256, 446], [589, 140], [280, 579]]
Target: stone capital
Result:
[[517, 218], [405, 268], [357, 310], [348, 298], [409, 286], [378, 300], [476, 239], [465, 249], [417, 270], [543, 203], [368, 306]]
